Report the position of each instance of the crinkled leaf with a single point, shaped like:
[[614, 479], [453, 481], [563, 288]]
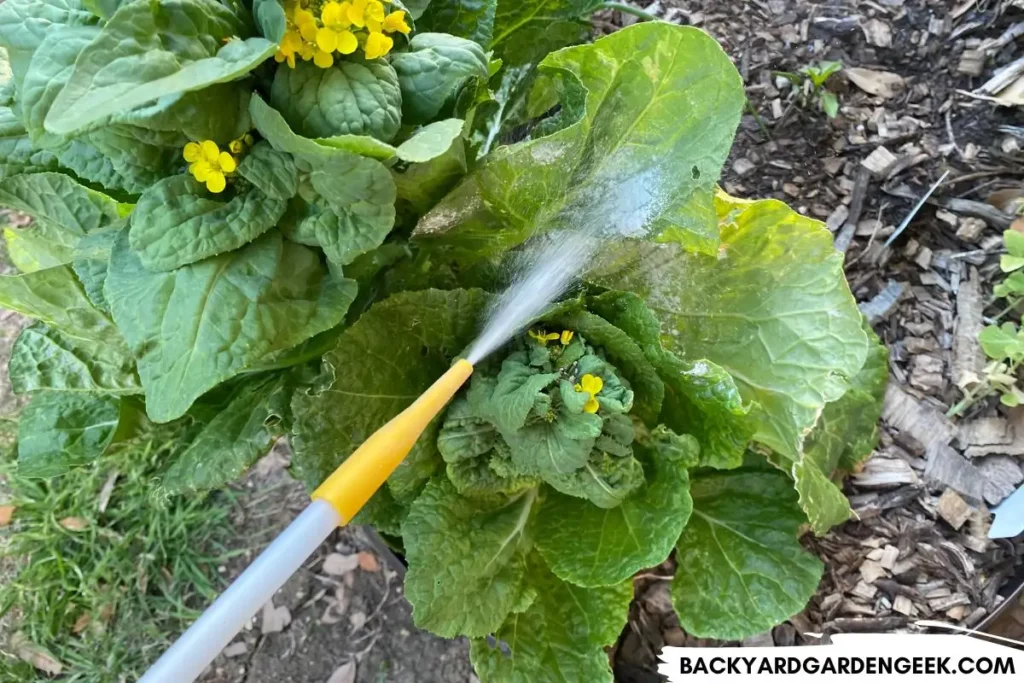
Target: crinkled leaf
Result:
[[653, 133], [271, 171], [741, 570], [178, 222], [526, 31], [103, 8], [432, 70], [60, 430], [92, 256], [471, 19], [39, 246], [192, 328], [54, 296], [559, 638], [590, 546], [45, 358], [466, 559], [151, 49], [47, 74], [17, 153], [123, 158], [773, 310], [237, 437], [352, 97], [59, 201], [25, 23], [381, 364], [218, 112]]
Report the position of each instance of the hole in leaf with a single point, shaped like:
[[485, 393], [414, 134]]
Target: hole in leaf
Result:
[[695, 172]]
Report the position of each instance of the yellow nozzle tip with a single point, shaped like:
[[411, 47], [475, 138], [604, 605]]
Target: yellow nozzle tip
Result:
[[351, 485]]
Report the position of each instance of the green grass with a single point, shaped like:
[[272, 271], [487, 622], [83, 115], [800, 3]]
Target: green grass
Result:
[[139, 570]]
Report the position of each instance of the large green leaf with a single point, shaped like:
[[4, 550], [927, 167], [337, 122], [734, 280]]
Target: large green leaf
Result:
[[123, 158], [381, 364], [45, 358], [740, 569], [351, 97], [467, 559], [271, 171], [47, 74], [422, 185], [526, 31], [270, 18], [151, 49], [653, 134], [59, 201], [431, 72], [178, 221], [192, 328], [17, 153], [54, 296], [590, 546], [559, 638], [59, 430], [25, 23], [774, 310], [471, 19], [231, 442], [218, 112], [92, 256], [39, 246]]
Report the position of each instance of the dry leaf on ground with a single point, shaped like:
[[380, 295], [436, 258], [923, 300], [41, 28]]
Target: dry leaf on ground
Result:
[[6, 512], [35, 655], [346, 673], [275, 619], [74, 523], [880, 83], [337, 564]]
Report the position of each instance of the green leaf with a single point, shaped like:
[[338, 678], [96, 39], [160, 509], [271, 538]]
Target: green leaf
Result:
[[45, 358], [253, 419], [423, 185], [590, 546], [630, 164], [1014, 242], [219, 112], [466, 559], [178, 222], [741, 570], [416, 8], [774, 311], [351, 97], [151, 49], [25, 23], [103, 8], [829, 104], [92, 256], [524, 32], [59, 430], [47, 74], [39, 246], [381, 364], [55, 297], [559, 638], [1002, 342], [272, 172], [847, 430], [700, 396], [433, 70], [430, 142], [123, 158], [471, 19], [1009, 263], [59, 202], [270, 18], [17, 153], [192, 328]]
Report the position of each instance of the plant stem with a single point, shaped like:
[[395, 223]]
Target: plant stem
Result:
[[627, 9]]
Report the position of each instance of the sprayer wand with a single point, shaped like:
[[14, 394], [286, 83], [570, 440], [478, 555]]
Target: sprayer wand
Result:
[[335, 503]]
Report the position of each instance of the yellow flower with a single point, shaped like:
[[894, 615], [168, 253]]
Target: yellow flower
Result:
[[236, 146], [395, 22], [543, 337], [335, 34], [306, 22], [378, 45], [290, 45], [356, 12], [590, 384], [208, 164], [566, 336]]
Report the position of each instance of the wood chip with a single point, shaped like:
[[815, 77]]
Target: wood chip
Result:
[[971, 229], [877, 32], [903, 605], [882, 472], [879, 83], [948, 468], [864, 590], [968, 359], [883, 303], [972, 63], [368, 562], [74, 523], [958, 613], [943, 604], [346, 673], [235, 649], [920, 420], [274, 619], [6, 513], [871, 571], [837, 218], [879, 161], [954, 509], [889, 556], [337, 564], [1002, 474]]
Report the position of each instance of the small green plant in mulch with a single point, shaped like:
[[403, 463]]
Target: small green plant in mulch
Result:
[[809, 84], [103, 573]]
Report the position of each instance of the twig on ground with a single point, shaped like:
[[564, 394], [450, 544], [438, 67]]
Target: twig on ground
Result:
[[860, 191]]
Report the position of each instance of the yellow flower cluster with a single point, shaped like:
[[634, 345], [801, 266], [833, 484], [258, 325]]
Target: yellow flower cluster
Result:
[[208, 164], [591, 384], [342, 27], [543, 337]]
